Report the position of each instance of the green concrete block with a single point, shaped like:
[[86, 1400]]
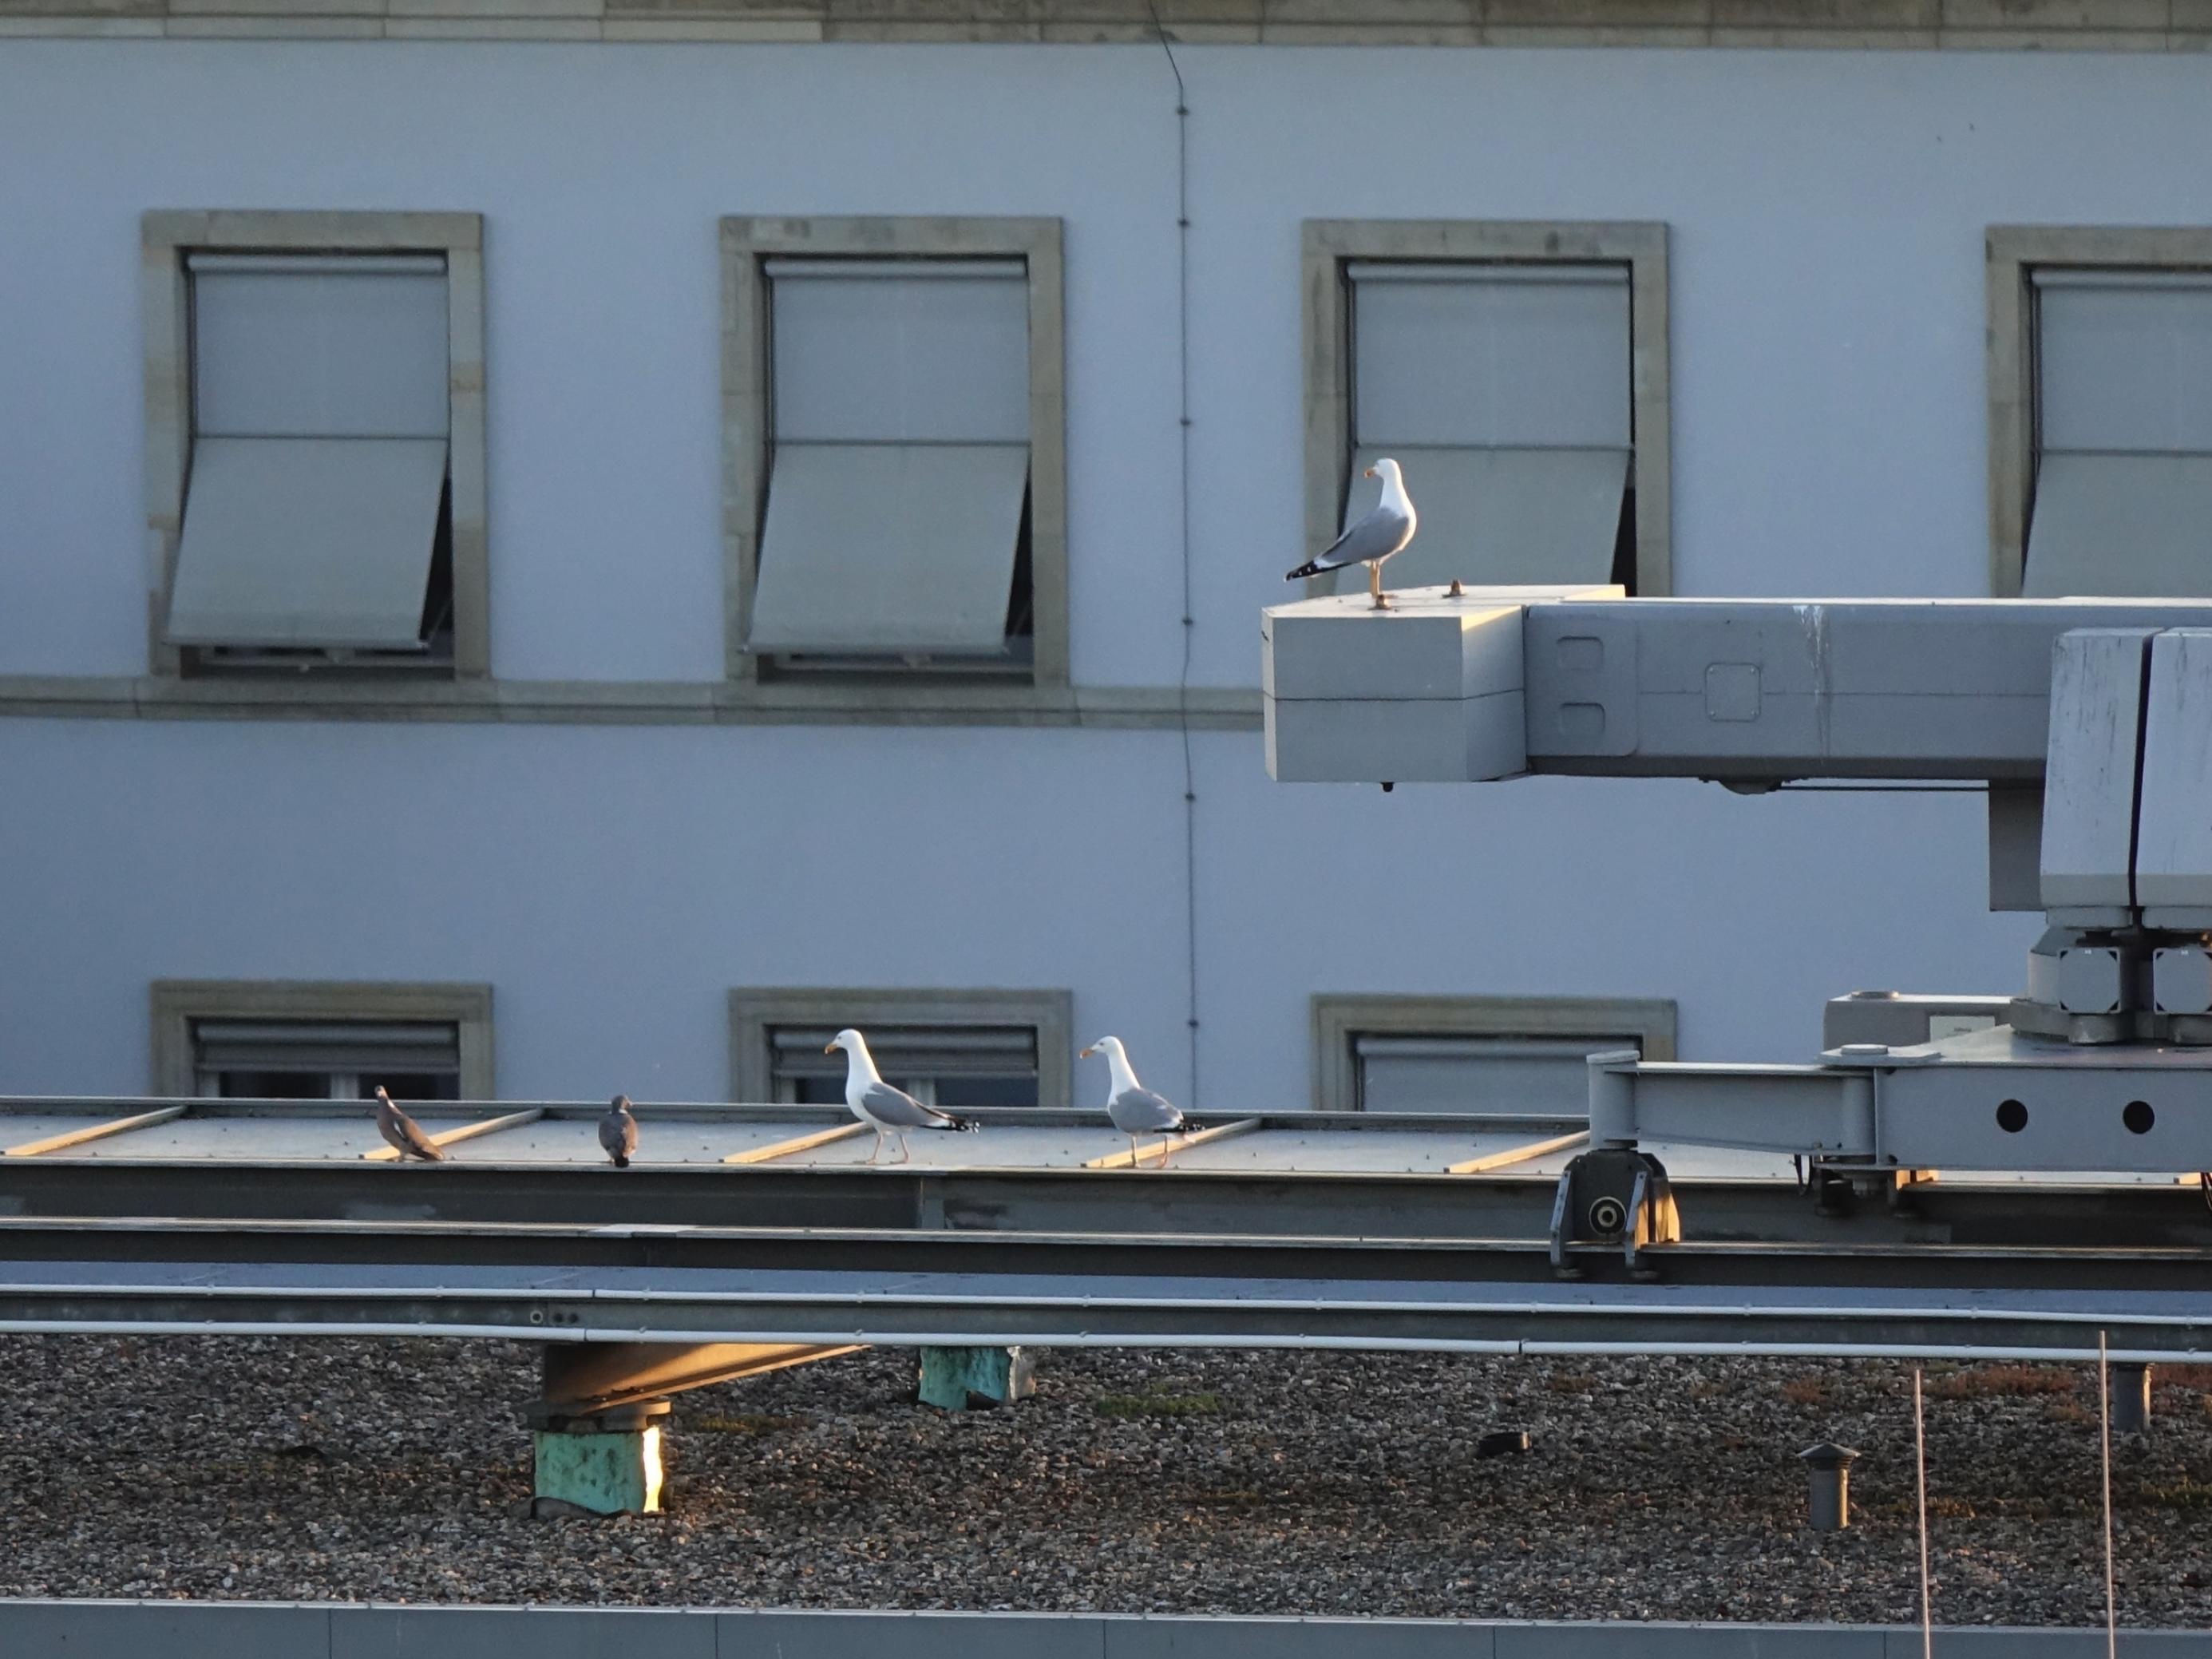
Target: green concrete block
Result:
[[608, 1472], [960, 1379]]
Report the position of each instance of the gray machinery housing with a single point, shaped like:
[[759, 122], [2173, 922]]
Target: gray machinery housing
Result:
[[2088, 720]]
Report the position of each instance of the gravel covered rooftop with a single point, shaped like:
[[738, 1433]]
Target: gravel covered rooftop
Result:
[[1196, 1482]]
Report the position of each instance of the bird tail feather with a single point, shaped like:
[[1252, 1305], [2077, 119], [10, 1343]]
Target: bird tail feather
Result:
[[1311, 567]]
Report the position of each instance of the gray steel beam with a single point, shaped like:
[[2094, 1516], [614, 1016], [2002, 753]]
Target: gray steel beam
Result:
[[1624, 1319], [401, 1254], [1117, 1203], [1765, 689], [985, 1289], [1748, 691], [583, 1377]]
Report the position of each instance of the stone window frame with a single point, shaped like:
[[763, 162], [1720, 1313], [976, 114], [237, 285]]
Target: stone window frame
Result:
[[176, 1003], [747, 242], [1338, 1019], [756, 1010], [1327, 246], [165, 237], [2013, 253]]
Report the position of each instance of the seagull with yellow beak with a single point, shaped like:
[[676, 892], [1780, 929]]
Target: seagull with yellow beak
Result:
[[891, 1113], [1135, 1109]]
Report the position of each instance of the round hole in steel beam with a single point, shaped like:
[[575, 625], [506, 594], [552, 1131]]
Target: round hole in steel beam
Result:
[[2138, 1117], [2012, 1116], [1607, 1216]]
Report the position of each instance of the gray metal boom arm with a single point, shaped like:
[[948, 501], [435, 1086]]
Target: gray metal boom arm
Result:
[[1495, 682]]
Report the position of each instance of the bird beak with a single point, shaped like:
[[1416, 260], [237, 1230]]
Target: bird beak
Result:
[[830, 1048], [1086, 1053], [1371, 472]]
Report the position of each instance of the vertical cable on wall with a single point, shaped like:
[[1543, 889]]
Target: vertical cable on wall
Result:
[[1189, 622]]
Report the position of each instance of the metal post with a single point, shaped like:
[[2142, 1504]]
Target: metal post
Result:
[[958, 1379], [2130, 1389], [607, 1463], [1858, 1125], [1829, 1468]]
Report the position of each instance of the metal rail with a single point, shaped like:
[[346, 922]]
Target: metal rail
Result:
[[1506, 1204], [694, 1285]]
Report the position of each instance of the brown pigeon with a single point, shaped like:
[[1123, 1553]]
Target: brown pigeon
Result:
[[405, 1134], [618, 1132]]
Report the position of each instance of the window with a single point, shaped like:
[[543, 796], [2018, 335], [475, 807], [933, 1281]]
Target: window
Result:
[[315, 428], [943, 1048], [325, 1060], [981, 1066], [1517, 373], [276, 1039], [1504, 1055], [896, 507], [2101, 400]]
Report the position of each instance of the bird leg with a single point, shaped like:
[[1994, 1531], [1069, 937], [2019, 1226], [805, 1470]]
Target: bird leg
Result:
[[906, 1150], [1375, 587], [1132, 1154], [877, 1151]]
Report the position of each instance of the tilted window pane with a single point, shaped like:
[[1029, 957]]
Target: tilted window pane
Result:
[[889, 549], [2121, 526], [307, 542], [1490, 516]]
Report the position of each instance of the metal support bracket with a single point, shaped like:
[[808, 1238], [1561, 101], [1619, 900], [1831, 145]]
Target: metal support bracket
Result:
[[1612, 1196]]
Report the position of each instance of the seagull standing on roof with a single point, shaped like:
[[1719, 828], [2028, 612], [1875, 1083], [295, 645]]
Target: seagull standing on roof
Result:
[[886, 1110], [404, 1133], [1383, 530], [618, 1132], [1135, 1109]]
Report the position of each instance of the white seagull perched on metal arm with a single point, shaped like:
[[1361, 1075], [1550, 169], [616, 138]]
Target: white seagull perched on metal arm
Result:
[[1374, 537], [1135, 1109], [886, 1110]]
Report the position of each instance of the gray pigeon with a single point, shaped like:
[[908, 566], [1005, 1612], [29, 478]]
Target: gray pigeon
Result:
[[889, 1112], [1135, 1109], [618, 1132], [404, 1133], [1383, 530]]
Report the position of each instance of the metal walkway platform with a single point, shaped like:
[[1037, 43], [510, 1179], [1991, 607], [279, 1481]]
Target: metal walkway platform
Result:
[[759, 1225], [1305, 1173]]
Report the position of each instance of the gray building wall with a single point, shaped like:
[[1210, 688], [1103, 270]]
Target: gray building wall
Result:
[[611, 880]]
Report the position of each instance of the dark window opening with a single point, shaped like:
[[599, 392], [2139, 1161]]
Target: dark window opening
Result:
[[1624, 539]]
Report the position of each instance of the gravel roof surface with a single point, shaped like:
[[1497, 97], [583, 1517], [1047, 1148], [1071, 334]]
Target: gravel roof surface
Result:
[[1208, 1482]]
